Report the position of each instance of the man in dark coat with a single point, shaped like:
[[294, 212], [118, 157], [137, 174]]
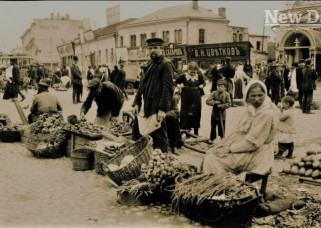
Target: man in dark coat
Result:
[[228, 71], [299, 77], [76, 81], [109, 100], [120, 80], [155, 91], [215, 77], [307, 85]]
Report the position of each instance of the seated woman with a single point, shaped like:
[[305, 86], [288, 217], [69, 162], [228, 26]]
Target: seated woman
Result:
[[249, 148], [43, 102]]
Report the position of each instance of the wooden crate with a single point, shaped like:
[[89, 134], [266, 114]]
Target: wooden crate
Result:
[[79, 141]]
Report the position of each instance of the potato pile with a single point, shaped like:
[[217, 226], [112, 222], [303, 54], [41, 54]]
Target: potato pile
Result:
[[162, 169], [47, 124], [85, 128], [308, 166]]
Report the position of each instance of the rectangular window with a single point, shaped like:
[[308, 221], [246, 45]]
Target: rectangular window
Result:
[[153, 35], [166, 36], [234, 37], [106, 55], [121, 41], [258, 45], [178, 36], [240, 38], [132, 40], [143, 38], [112, 55], [201, 36]]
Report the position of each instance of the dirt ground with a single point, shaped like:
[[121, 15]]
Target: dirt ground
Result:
[[49, 193]]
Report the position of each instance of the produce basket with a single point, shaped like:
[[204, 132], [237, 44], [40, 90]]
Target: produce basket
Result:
[[225, 213], [10, 136], [41, 147], [141, 151]]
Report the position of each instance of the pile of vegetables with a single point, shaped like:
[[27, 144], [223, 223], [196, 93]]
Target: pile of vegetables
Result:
[[50, 125], [47, 124], [163, 169], [85, 127], [119, 128], [9, 128], [222, 187], [137, 188], [307, 166]]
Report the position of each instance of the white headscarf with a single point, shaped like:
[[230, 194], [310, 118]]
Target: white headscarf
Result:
[[267, 104]]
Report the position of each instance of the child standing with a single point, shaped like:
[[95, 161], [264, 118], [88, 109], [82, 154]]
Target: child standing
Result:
[[220, 100], [287, 127]]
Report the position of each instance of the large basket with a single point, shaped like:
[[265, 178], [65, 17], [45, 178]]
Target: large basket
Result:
[[47, 151], [10, 136], [141, 150], [225, 213]]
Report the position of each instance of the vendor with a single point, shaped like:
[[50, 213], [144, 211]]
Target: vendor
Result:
[[43, 102], [109, 99], [248, 148]]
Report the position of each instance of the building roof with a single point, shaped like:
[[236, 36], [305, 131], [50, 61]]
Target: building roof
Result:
[[176, 12], [252, 34], [110, 29]]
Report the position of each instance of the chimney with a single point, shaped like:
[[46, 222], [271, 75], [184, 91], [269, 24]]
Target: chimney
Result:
[[222, 12], [67, 16], [51, 15], [195, 4]]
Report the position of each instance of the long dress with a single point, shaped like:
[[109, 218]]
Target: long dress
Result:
[[191, 102]]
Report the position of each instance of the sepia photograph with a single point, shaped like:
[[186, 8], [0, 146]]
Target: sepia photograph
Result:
[[176, 114]]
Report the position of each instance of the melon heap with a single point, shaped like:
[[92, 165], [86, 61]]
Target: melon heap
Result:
[[307, 166]]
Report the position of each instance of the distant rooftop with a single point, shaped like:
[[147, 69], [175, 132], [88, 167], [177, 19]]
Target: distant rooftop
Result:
[[110, 29], [179, 11]]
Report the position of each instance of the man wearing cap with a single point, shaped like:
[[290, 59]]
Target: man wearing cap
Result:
[[155, 91], [43, 102], [109, 99], [307, 85], [76, 81], [228, 71]]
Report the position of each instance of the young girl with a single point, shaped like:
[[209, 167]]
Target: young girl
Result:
[[287, 127]]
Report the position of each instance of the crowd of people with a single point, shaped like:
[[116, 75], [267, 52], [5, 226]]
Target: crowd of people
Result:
[[247, 149]]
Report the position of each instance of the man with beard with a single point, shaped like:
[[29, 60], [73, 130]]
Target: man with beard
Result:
[[154, 95]]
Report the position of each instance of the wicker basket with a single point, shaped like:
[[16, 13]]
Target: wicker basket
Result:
[[47, 151], [141, 150], [10, 136], [224, 213]]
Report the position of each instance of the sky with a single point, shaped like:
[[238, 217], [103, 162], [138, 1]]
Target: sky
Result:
[[16, 16]]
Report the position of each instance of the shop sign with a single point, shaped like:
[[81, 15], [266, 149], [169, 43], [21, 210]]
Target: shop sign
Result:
[[65, 50], [209, 51], [174, 51]]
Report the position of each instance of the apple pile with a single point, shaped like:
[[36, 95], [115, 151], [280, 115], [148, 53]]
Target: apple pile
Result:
[[119, 128]]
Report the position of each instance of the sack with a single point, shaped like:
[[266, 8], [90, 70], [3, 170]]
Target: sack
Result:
[[147, 125], [11, 91]]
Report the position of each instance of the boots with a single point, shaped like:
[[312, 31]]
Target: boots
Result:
[[289, 155], [279, 155]]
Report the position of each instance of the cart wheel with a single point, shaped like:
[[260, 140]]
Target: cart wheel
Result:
[[129, 118]]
